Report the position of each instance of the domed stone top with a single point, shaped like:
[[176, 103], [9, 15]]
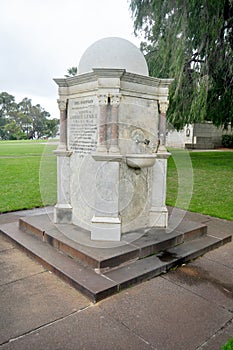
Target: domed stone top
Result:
[[113, 53]]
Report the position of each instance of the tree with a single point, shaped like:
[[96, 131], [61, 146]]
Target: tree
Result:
[[13, 131], [33, 119], [192, 42], [39, 117], [7, 106], [23, 116], [24, 120], [52, 126], [71, 72]]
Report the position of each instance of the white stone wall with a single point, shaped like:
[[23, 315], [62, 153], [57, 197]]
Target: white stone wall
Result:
[[196, 136], [178, 139]]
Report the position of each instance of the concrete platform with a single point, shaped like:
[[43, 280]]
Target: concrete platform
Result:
[[189, 307], [100, 269]]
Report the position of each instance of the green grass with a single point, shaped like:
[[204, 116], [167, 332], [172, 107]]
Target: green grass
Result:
[[22, 148], [197, 181], [211, 174], [28, 175], [228, 345]]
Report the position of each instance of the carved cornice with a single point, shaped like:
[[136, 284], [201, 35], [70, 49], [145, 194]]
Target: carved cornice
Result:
[[145, 80], [113, 73], [78, 79], [109, 72]]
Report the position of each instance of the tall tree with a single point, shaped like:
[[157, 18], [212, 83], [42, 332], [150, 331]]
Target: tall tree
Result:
[[33, 119], [192, 42], [23, 116], [7, 106], [39, 118]]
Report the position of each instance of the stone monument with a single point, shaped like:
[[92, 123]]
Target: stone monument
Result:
[[110, 228], [111, 159]]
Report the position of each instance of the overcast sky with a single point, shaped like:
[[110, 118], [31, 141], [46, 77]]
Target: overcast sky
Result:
[[41, 39]]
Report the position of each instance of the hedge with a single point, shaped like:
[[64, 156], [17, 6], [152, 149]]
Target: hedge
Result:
[[227, 141]]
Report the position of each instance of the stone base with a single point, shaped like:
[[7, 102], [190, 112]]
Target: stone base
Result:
[[158, 217], [106, 229], [99, 269], [63, 214]]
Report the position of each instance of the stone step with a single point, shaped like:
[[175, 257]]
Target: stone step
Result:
[[98, 286], [84, 279], [76, 242], [155, 265]]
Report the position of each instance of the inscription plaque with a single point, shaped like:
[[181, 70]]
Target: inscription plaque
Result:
[[82, 125]]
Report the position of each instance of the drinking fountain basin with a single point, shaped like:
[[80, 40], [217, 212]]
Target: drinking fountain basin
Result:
[[137, 160]]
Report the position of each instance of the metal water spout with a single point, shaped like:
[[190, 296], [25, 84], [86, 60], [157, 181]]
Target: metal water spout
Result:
[[146, 141]]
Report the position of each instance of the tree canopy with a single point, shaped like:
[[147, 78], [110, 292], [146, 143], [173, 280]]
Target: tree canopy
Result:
[[23, 120], [192, 42]]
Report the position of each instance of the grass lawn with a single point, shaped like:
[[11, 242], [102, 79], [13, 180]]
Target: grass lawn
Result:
[[22, 148], [197, 181], [27, 175], [211, 175]]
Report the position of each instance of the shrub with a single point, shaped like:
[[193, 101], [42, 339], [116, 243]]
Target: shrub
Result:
[[227, 141]]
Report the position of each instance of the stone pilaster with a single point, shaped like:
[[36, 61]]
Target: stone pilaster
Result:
[[158, 212], [62, 104], [114, 102], [163, 106], [63, 209], [102, 126]]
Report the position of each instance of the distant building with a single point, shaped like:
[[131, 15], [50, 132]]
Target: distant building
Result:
[[197, 136]]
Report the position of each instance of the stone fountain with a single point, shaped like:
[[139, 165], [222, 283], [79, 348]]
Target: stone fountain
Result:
[[111, 158]]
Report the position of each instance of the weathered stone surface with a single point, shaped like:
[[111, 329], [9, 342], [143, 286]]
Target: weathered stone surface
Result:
[[222, 255], [91, 328], [34, 301], [6, 218], [16, 265], [166, 315], [5, 244], [212, 281]]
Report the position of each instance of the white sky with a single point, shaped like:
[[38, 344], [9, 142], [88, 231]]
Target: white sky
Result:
[[41, 39]]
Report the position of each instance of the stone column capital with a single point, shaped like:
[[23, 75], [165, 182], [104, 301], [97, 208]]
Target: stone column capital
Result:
[[115, 100], [163, 106], [62, 103], [103, 99]]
